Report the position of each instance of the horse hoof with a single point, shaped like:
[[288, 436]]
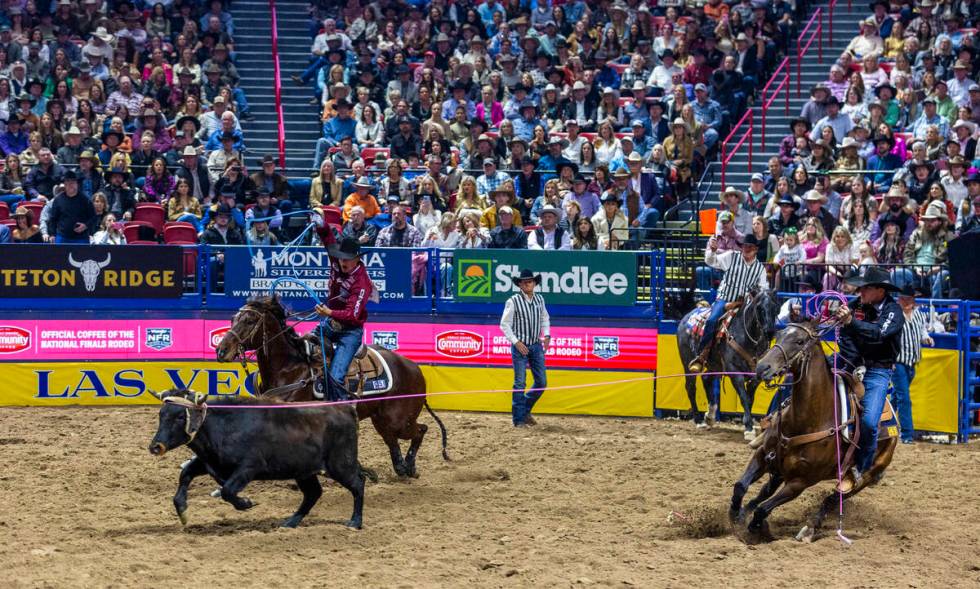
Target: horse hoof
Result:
[[353, 525], [290, 523], [182, 515], [806, 535], [701, 425], [216, 493], [709, 417], [244, 504]]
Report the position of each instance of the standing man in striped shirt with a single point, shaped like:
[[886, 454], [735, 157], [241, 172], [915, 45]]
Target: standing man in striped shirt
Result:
[[527, 326], [914, 334], [743, 272]]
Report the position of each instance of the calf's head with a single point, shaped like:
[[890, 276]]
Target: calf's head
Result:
[[181, 417]]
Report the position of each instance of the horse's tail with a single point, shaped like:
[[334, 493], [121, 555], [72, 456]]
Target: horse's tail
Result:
[[442, 426]]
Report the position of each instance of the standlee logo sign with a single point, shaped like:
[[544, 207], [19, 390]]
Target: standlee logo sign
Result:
[[459, 343], [14, 339], [216, 335], [567, 278]]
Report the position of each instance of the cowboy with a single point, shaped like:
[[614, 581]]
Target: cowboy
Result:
[[527, 326], [743, 272], [870, 338], [349, 290]]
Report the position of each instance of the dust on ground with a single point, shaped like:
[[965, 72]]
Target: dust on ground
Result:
[[574, 501]]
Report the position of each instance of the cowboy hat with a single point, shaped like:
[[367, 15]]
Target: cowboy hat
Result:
[[749, 240], [873, 276], [813, 195], [347, 249], [907, 291], [549, 209], [609, 197], [787, 199], [191, 118], [935, 210], [811, 281], [733, 190], [526, 275], [848, 143]]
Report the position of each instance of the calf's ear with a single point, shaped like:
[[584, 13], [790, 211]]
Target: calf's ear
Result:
[[155, 394]]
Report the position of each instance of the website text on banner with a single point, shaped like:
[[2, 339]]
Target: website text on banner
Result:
[[251, 271], [567, 278], [84, 271]]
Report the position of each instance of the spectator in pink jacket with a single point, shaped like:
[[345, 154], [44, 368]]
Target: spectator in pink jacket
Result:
[[488, 109]]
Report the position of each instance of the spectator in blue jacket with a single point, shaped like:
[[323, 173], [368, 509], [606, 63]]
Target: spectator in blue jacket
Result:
[[707, 112], [883, 164], [334, 129]]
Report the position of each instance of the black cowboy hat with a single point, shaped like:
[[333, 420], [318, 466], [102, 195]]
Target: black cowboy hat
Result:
[[348, 249], [117, 172], [526, 275], [749, 240], [111, 132], [191, 118], [787, 199], [794, 121], [566, 164], [812, 281], [874, 276], [907, 291]]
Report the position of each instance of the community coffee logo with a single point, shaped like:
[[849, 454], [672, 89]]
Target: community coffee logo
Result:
[[459, 344], [605, 346], [14, 339], [385, 339], [474, 278], [217, 335]]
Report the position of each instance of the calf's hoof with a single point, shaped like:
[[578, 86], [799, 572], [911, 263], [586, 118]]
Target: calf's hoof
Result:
[[806, 534]]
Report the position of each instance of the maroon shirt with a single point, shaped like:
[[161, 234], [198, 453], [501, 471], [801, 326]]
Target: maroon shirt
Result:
[[348, 292]]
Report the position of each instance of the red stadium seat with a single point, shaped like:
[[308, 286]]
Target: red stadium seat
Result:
[[619, 67], [368, 154], [35, 208], [492, 135], [589, 136], [141, 242], [9, 222], [4, 211], [621, 135], [152, 213], [132, 230], [414, 65], [623, 101], [179, 232], [333, 215]]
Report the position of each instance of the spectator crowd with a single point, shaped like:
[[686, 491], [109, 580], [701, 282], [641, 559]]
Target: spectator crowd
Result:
[[880, 166]]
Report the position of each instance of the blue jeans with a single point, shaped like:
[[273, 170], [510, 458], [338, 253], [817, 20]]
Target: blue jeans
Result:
[[346, 343], [711, 325], [901, 382], [876, 382], [934, 283], [239, 96], [12, 201], [523, 403], [323, 146], [785, 392], [192, 219]]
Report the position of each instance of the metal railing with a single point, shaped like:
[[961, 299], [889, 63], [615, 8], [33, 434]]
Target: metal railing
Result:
[[782, 74], [277, 81], [746, 137], [815, 23]]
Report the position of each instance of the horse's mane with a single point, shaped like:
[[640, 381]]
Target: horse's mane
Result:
[[273, 305]]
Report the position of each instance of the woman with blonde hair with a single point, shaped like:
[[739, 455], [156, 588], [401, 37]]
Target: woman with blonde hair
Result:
[[326, 189], [427, 186], [444, 235], [467, 199], [838, 257], [550, 195], [607, 146], [471, 235]]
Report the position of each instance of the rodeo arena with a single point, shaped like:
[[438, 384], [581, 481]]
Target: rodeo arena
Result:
[[452, 293]]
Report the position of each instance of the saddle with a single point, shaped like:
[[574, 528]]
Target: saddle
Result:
[[698, 319], [367, 375]]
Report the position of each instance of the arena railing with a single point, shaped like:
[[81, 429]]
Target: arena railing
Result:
[[745, 137], [969, 335], [816, 24], [782, 85], [830, 20], [278, 83]]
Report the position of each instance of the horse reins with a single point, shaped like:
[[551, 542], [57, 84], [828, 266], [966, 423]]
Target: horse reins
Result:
[[240, 354]]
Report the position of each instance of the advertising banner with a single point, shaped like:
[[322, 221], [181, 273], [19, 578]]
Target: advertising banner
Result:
[[567, 278], [83, 271], [251, 272], [447, 343]]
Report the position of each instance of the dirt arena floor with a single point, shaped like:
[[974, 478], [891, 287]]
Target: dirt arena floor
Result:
[[575, 501]]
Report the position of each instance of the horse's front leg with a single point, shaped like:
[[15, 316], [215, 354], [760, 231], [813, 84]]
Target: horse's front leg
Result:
[[758, 528], [712, 396], [753, 472]]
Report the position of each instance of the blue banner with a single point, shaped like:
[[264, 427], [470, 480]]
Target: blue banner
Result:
[[251, 273]]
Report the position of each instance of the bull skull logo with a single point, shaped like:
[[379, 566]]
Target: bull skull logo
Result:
[[90, 269]]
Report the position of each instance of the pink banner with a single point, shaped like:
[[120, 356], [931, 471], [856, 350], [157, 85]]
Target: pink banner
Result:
[[438, 343]]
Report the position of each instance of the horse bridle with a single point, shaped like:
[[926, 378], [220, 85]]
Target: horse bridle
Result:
[[751, 301], [804, 350]]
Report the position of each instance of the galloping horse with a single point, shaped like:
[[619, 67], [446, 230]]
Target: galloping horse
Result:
[[748, 337], [800, 448], [289, 372]]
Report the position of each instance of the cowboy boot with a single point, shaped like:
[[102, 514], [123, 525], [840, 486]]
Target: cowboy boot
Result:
[[337, 391], [851, 480], [698, 364]]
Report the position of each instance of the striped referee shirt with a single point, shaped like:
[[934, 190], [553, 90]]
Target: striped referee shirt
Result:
[[525, 319], [740, 277], [913, 333]]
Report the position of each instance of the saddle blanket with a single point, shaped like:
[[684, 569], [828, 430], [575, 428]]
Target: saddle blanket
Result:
[[369, 374], [697, 320]]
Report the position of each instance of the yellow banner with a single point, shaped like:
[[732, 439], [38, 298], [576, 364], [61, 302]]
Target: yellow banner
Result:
[[934, 392], [125, 383]]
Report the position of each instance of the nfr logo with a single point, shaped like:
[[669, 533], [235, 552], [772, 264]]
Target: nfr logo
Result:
[[159, 338], [474, 279], [385, 339], [605, 346]]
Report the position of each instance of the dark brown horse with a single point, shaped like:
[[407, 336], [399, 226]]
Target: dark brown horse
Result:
[[289, 370], [800, 449]]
